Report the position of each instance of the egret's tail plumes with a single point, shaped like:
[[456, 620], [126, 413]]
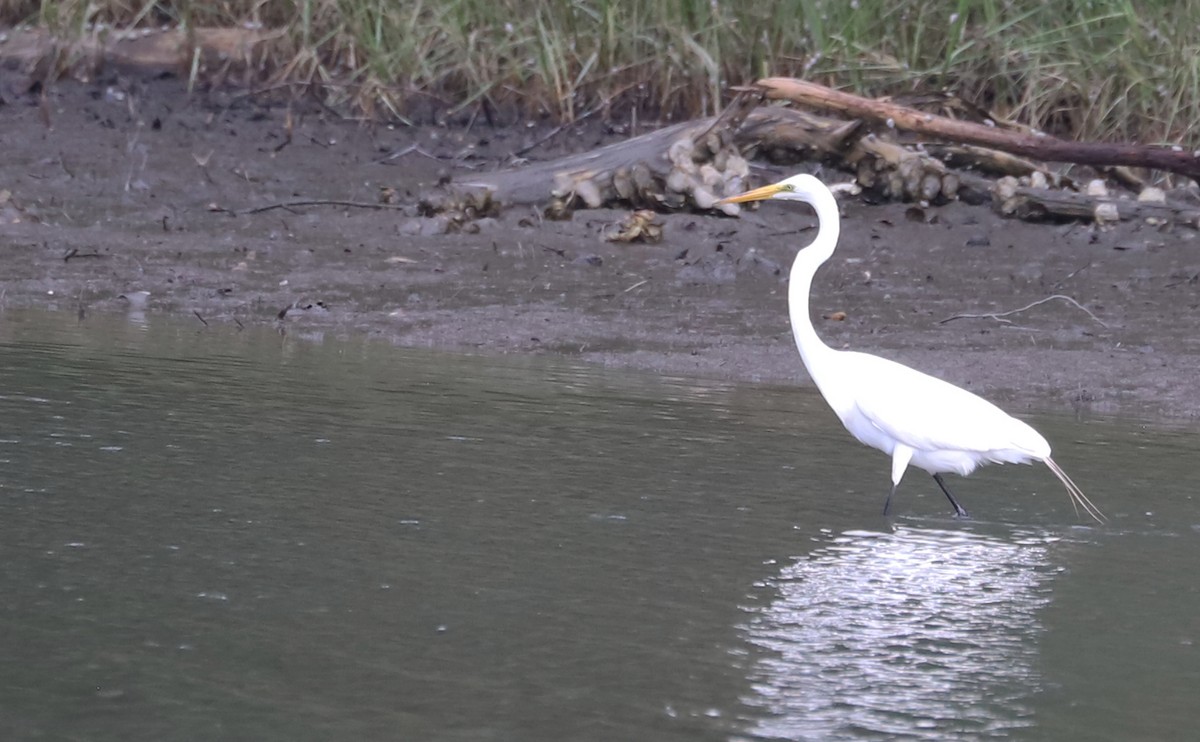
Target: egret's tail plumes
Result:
[[1078, 499]]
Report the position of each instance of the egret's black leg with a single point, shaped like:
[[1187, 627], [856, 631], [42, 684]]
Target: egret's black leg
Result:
[[958, 509], [887, 504]]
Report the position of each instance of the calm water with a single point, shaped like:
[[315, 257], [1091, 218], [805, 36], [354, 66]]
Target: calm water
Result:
[[216, 535]]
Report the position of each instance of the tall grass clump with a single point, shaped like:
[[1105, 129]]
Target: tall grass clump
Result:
[[1097, 69]]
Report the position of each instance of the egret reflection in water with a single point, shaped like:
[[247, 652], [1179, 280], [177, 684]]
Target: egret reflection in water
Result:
[[916, 633]]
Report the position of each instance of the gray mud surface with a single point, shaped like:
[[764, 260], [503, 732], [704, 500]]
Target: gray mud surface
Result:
[[123, 194]]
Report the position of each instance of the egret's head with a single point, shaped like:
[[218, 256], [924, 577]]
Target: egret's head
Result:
[[796, 188]]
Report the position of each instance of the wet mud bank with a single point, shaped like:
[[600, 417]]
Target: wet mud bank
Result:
[[138, 187]]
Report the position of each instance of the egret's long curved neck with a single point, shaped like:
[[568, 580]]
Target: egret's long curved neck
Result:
[[812, 350]]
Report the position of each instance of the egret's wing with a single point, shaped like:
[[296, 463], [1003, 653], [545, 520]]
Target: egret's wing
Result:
[[928, 414]]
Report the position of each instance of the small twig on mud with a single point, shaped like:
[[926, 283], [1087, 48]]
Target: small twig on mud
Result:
[[62, 162], [410, 149], [643, 282], [1190, 279], [558, 130], [74, 253], [199, 317], [999, 316], [288, 126], [202, 162], [1072, 274], [307, 202]]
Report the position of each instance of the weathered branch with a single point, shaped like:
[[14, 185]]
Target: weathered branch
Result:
[[1028, 202], [992, 161], [1043, 147], [1000, 316], [668, 166]]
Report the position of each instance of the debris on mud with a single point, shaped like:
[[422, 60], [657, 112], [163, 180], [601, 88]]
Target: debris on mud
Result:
[[640, 226], [910, 156]]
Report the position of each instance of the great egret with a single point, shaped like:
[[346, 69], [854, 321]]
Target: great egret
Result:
[[915, 418]]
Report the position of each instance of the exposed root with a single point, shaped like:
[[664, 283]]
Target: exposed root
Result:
[[1078, 499], [999, 316], [306, 202]]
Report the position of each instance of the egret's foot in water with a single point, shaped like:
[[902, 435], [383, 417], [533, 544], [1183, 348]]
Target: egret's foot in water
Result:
[[959, 510]]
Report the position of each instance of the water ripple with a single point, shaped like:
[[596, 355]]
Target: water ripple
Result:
[[915, 634]]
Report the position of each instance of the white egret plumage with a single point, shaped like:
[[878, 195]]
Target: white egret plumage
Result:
[[915, 418]]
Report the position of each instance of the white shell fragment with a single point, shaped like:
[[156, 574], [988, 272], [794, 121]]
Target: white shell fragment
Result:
[[680, 182], [849, 189], [1152, 195], [703, 197], [680, 151], [1106, 212], [589, 193], [737, 167], [950, 186], [1007, 187]]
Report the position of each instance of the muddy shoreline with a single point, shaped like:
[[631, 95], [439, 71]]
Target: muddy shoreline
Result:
[[131, 186]]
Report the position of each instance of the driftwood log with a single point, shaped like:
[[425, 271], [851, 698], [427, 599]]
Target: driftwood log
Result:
[[686, 165], [635, 171], [1012, 198], [1039, 146]]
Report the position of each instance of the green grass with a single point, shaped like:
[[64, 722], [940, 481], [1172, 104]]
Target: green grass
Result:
[[1093, 69]]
